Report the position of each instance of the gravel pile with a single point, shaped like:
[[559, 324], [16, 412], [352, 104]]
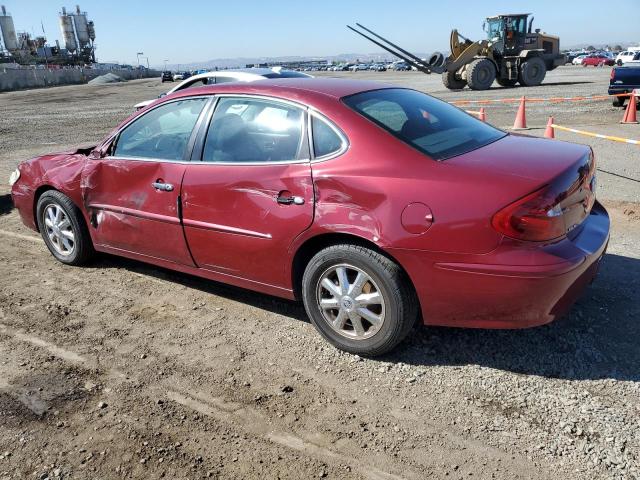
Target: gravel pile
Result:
[[106, 78]]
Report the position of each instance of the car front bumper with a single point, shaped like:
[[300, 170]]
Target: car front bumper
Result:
[[517, 285]]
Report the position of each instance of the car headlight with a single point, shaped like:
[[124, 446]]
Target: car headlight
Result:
[[14, 177]]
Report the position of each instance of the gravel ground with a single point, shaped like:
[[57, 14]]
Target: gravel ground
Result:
[[123, 370]]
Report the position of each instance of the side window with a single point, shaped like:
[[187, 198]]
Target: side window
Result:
[[325, 139], [246, 130], [162, 133]]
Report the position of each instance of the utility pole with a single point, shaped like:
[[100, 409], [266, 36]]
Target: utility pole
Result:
[[138, 56]]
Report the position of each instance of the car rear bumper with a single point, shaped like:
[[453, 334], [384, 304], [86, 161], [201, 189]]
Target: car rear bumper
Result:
[[613, 89], [516, 286]]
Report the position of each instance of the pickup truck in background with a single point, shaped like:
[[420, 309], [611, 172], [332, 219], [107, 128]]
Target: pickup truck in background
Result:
[[624, 80]]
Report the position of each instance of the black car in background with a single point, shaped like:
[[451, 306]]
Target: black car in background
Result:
[[167, 77], [625, 79]]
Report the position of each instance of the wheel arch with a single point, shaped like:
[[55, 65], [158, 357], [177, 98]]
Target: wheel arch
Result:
[[47, 188], [36, 196], [314, 244]]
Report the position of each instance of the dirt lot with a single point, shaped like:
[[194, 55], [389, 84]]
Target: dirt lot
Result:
[[123, 370]]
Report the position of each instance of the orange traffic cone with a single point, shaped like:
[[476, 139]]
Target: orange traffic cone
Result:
[[521, 117], [482, 116], [549, 132], [630, 112]]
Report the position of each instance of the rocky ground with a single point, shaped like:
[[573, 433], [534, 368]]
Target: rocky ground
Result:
[[123, 370]]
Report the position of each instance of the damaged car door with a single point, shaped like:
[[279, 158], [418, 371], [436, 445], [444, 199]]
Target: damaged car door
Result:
[[132, 192], [248, 193]]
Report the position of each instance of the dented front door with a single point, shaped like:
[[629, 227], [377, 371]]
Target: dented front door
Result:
[[133, 193], [133, 207]]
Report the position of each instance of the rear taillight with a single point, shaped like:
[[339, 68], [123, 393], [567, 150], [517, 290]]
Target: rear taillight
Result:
[[552, 211], [536, 217], [613, 73]]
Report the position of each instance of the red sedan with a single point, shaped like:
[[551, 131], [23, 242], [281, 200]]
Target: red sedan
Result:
[[377, 206], [597, 60]]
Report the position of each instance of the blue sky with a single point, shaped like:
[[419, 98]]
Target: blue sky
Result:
[[202, 30]]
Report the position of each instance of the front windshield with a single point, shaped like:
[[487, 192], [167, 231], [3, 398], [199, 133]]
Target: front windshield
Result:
[[494, 29], [427, 124]]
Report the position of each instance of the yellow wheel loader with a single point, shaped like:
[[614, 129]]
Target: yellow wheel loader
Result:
[[510, 54]]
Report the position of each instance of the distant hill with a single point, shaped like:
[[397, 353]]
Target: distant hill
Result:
[[241, 62]]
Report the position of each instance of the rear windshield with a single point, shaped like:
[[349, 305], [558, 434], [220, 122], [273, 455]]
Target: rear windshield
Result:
[[432, 126]]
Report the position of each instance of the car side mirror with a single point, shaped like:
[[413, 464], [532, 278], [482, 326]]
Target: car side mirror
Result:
[[102, 150]]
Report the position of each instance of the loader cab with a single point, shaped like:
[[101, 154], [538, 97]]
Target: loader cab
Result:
[[507, 33]]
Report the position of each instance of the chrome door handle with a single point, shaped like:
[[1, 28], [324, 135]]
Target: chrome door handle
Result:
[[165, 187], [290, 200]]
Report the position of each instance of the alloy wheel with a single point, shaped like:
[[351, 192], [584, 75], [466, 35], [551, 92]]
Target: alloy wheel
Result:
[[350, 302], [59, 229]]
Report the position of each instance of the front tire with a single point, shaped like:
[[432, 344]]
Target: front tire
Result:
[[359, 300], [480, 74], [452, 82], [63, 228]]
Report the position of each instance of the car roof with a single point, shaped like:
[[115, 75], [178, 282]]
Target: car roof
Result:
[[247, 72], [291, 88], [241, 74]]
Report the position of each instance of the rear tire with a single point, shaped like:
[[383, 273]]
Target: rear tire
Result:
[[532, 72], [618, 101], [452, 82], [63, 228], [341, 282], [480, 74]]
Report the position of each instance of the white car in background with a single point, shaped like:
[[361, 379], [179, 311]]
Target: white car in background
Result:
[[626, 56], [225, 76]]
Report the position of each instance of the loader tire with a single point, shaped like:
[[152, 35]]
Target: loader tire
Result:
[[504, 82], [450, 81], [532, 72], [436, 59], [480, 74]]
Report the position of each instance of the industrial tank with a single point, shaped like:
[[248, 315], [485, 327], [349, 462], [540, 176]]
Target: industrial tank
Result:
[[66, 29], [82, 28], [8, 31], [92, 30]]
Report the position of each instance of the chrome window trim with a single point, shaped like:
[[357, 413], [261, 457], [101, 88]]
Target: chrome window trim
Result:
[[205, 119], [260, 96], [345, 141], [197, 162], [302, 107]]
